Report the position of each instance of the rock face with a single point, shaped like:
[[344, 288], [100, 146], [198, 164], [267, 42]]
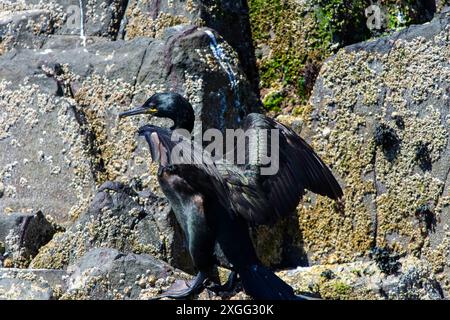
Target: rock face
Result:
[[364, 280], [103, 274], [21, 237], [228, 17], [38, 23], [32, 23], [100, 274], [25, 284], [379, 116], [294, 37], [119, 218], [59, 111]]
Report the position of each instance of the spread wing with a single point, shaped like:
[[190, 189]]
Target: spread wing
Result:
[[183, 157], [261, 195]]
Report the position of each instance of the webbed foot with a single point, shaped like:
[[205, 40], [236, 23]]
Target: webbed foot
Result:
[[190, 289], [228, 286]]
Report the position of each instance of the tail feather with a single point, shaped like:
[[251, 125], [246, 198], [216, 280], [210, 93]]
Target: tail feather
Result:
[[262, 284]]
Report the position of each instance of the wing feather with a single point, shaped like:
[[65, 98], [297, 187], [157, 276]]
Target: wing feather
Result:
[[195, 166], [269, 197], [242, 189]]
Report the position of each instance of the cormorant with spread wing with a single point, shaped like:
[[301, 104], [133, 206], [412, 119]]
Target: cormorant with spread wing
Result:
[[215, 201]]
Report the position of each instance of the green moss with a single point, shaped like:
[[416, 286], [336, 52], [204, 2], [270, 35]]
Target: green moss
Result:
[[342, 22], [273, 101], [286, 37], [342, 288], [291, 36]]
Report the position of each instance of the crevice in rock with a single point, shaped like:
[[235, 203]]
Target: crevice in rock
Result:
[[138, 72], [428, 10], [120, 21], [446, 185], [64, 89], [168, 50], [155, 9], [96, 160], [241, 42], [23, 229], [375, 215]]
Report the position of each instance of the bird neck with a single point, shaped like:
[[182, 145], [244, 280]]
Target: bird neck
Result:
[[186, 125], [184, 118]]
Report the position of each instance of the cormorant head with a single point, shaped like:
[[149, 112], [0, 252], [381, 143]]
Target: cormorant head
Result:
[[167, 105]]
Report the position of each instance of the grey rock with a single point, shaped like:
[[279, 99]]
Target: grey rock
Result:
[[108, 20], [15, 29], [364, 280], [119, 218], [36, 170], [160, 233], [62, 106], [29, 24], [442, 6], [21, 284], [384, 104], [229, 18], [18, 289], [105, 273], [22, 235], [100, 18], [414, 284]]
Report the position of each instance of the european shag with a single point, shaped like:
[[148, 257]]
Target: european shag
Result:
[[215, 201]]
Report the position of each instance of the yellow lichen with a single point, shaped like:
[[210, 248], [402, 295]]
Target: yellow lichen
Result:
[[141, 24], [381, 195]]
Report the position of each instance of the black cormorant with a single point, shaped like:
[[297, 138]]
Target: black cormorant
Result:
[[214, 201]]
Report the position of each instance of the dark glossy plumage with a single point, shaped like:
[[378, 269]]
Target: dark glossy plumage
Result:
[[215, 200], [263, 199]]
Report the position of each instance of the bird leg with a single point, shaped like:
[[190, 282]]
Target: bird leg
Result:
[[228, 286], [195, 287]]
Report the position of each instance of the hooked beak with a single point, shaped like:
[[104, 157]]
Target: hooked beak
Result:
[[138, 110]]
